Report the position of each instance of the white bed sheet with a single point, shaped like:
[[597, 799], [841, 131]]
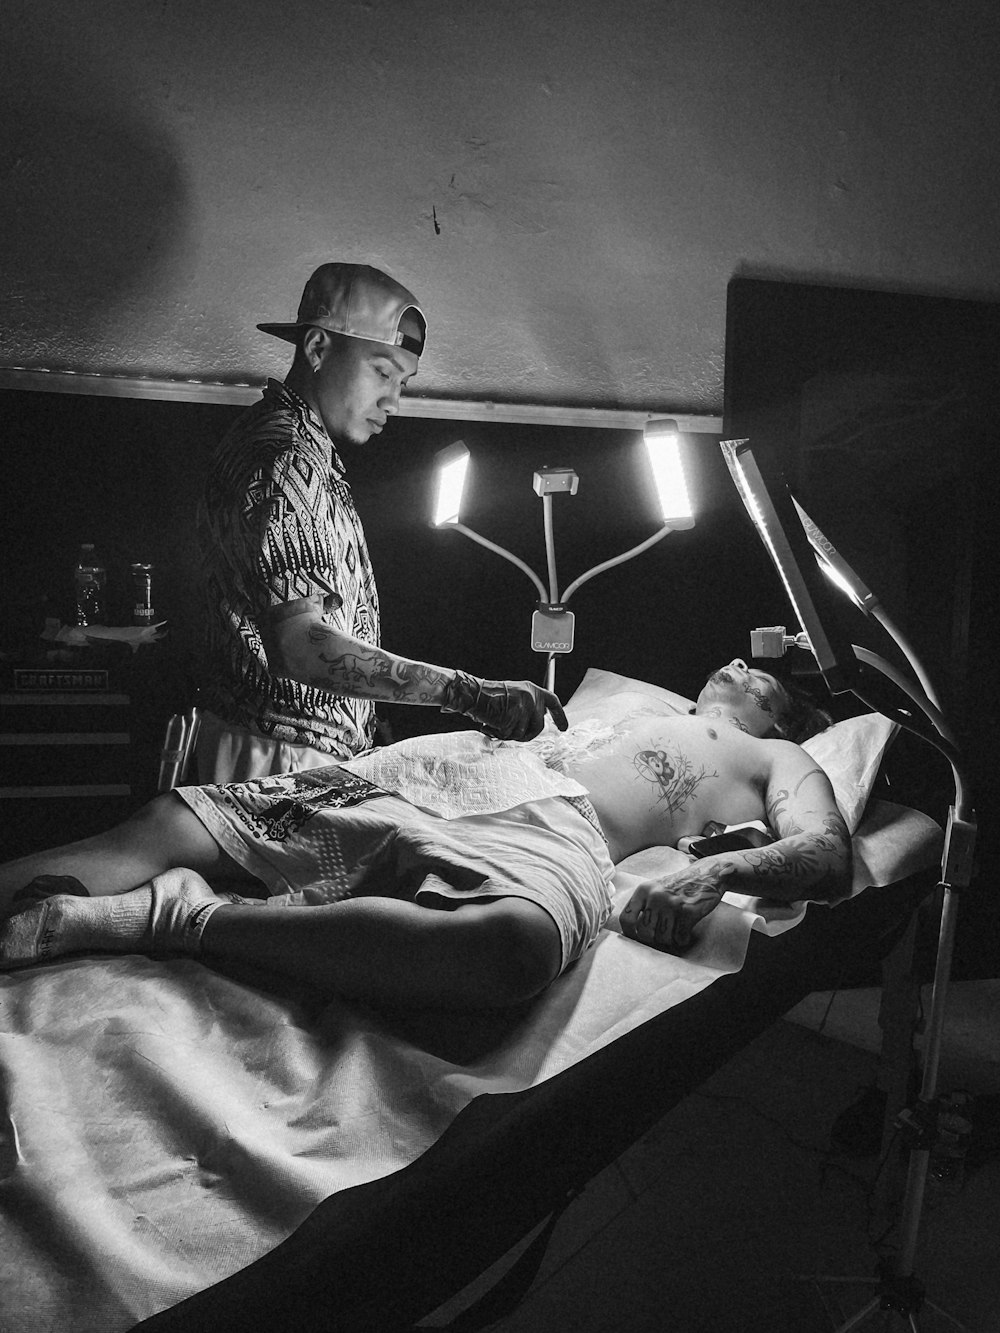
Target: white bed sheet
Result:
[[162, 1125]]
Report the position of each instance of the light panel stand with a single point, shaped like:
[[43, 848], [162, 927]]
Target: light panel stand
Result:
[[899, 1295], [552, 623]]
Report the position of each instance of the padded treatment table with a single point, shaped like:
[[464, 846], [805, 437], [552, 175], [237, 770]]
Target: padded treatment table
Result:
[[384, 1254]]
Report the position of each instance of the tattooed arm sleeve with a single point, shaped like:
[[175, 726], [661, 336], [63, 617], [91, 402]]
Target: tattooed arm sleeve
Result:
[[299, 644], [811, 858]]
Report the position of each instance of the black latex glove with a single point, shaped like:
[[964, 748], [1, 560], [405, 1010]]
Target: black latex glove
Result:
[[507, 710]]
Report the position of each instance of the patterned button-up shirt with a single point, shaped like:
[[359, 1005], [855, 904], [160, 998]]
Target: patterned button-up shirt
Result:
[[276, 523]]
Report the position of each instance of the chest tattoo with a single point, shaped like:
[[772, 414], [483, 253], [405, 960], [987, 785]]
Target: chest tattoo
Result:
[[674, 778]]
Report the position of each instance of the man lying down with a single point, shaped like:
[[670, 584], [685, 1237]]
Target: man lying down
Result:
[[449, 871]]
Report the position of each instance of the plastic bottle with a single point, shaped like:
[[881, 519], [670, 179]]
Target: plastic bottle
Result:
[[954, 1130], [89, 578], [142, 594]]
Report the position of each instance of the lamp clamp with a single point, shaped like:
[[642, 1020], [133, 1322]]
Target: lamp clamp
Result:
[[772, 641], [552, 628], [555, 481], [959, 847], [918, 1125]]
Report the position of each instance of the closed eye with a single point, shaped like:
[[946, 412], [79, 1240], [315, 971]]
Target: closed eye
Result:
[[767, 679]]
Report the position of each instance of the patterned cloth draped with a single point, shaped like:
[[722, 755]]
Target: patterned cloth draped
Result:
[[277, 523]]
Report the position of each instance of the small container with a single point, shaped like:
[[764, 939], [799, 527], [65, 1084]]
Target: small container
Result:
[[142, 593], [89, 578]]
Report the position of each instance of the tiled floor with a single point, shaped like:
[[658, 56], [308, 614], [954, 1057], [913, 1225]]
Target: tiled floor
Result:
[[719, 1219]]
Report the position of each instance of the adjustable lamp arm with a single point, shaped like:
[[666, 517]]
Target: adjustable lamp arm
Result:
[[507, 555], [661, 437], [844, 577], [452, 467], [616, 560]]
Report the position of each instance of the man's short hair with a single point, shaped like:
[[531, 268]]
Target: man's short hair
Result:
[[802, 717]]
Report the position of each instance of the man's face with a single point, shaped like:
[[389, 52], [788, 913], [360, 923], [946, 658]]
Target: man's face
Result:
[[756, 698], [356, 384]]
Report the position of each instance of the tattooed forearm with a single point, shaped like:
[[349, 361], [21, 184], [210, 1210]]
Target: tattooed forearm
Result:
[[302, 647], [813, 865], [818, 862], [370, 672], [379, 676]]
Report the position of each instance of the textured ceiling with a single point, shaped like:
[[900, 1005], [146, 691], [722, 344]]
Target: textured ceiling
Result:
[[567, 188]]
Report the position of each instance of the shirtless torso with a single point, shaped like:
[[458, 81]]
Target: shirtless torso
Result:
[[656, 780]]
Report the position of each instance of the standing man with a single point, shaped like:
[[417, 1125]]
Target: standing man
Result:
[[294, 666]]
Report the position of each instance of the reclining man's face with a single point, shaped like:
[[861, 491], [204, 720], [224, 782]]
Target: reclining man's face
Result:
[[757, 700]]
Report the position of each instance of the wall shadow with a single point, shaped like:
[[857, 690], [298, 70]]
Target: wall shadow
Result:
[[94, 199]]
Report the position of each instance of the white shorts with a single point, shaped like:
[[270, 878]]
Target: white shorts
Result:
[[225, 753], [332, 833]]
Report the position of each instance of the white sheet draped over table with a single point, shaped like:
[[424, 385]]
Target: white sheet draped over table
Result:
[[162, 1125]]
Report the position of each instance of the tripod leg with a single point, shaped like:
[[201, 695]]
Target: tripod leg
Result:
[[860, 1317], [962, 1328]]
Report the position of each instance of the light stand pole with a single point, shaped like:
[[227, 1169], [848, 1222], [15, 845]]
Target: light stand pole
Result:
[[796, 546], [898, 1291]]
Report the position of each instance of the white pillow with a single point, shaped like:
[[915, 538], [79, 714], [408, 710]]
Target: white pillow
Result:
[[849, 752], [605, 697]]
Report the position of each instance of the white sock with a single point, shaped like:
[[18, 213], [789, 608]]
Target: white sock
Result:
[[167, 915]]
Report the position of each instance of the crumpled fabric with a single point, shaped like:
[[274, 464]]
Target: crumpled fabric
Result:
[[462, 773]]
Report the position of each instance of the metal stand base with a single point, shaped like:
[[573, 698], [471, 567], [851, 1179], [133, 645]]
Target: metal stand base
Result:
[[900, 1296], [898, 1303]]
